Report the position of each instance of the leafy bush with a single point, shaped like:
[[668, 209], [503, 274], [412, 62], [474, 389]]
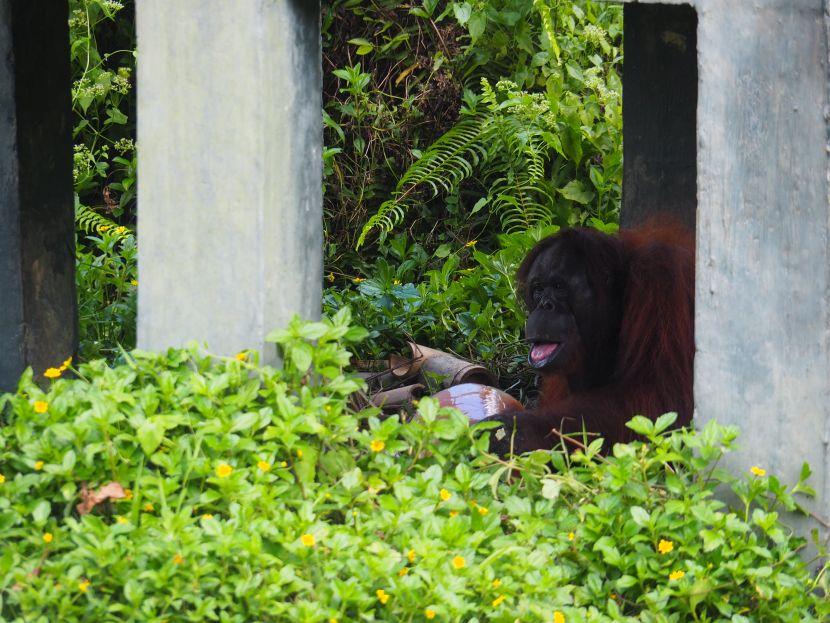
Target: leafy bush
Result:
[[103, 63], [462, 300], [106, 276], [551, 157], [102, 48], [251, 493], [541, 145]]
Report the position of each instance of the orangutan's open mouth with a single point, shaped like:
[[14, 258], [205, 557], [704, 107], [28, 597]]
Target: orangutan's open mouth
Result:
[[542, 353]]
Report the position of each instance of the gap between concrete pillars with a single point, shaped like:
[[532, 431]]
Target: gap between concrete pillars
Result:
[[230, 201], [38, 322], [659, 113]]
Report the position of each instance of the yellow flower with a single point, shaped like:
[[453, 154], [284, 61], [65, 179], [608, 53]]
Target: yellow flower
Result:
[[47, 537], [411, 555], [84, 585], [331, 277], [308, 540], [2, 479], [299, 453], [403, 572], [377, 445], [104, 228], [134, 283], [496, 583], [148, 507], [497, 601], [458, 562], [472, 243], [41, 406], [332, 620], [358, 279], [52, 373], [571, 536], [382, 596], [38, 465], [757, 471], [242, 356], [264, 466], [396, 282], [676, 575], [178, 559], [558, 617], [445, 495], [121, 229], [121, 519], [453, 513], [664, 546], [207, 516], [128, 495], [429, 613], [223, 470], [482, 510]]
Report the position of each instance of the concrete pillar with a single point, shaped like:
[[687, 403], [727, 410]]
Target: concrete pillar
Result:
[[230, 140], [762, 325], [38, 325], [763, 259], [659, 113]]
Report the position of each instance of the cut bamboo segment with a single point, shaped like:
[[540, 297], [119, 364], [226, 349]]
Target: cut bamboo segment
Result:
[[451, 369], [398, 397]]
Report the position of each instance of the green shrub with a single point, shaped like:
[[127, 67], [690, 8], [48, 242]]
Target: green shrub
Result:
[[254, 494], [106, 276]]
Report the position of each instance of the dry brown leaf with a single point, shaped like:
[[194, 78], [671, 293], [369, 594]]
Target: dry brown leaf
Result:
[[90, 498]]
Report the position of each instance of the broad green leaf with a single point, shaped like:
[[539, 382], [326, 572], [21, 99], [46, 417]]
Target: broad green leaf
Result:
[[576, 191], [150, 435]]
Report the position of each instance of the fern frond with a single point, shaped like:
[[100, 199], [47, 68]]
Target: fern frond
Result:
[[89, 221], [443, 166]]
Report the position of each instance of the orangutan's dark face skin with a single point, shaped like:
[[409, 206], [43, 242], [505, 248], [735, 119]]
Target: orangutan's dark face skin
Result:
[[561, 311]]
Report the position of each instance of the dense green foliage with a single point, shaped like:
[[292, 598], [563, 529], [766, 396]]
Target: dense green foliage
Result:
[[102, 42], [487, 117], [259, 494], [462, 122], [457, 134]]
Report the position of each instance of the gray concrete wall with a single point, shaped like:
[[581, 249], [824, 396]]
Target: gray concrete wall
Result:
[[763, 261], [230, 200], [763, 231], [38, 325]]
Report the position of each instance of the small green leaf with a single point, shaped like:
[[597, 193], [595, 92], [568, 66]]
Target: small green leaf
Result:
[[150, 435], [41, 512], [301, 356], [664, 422], [477, 24], [576, 191], [462, 11], [641, 425], [551, 489], [640, 516]]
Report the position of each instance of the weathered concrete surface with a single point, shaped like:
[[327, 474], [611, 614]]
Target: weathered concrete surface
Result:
[[660, 113], [763, 271], [230, 203], [763, 232], [38, 324]]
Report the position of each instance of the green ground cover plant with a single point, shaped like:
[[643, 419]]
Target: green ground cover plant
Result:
[[216, 489]]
